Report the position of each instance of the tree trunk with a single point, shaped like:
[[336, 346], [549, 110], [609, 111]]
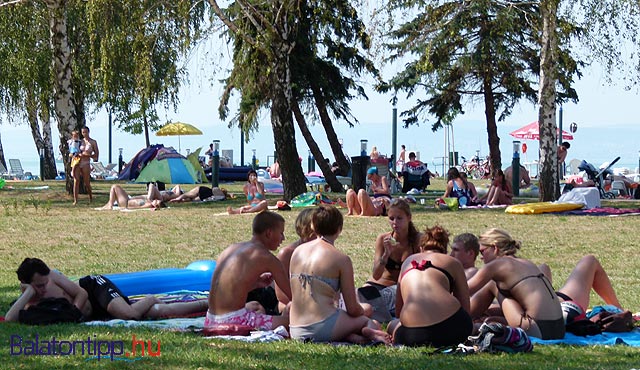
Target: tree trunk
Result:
[[2, 160], [146, 129], [42, 141], [293, 180], [50, 168], [64, 103], [492, 129], [325, 167], [338, 153], [549, 187]]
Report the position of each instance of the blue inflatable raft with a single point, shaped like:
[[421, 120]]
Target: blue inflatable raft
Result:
[[195, 277]]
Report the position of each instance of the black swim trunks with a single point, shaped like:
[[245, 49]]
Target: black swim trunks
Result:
[[454, 330], [204, 192], [101, 292]]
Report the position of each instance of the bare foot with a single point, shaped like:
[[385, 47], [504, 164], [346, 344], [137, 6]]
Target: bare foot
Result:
[[376, 335], [106, 206], [232, 211], [341, 203]]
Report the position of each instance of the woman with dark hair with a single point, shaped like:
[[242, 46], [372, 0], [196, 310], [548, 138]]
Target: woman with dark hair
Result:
[[457, 187], [254, 191], [500, 192], [391, 250], [82, 171], [524, 293], [319, 273], [433, 296]]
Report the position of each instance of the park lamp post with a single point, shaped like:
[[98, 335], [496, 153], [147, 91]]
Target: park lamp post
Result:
[[363, 147], [41, 164], [311, 165], [254, 160], [120, 161], [515, 168], [215, 164]]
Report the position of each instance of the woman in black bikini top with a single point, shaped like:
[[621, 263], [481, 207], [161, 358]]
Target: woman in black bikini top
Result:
[[393, 248], [530, 303]]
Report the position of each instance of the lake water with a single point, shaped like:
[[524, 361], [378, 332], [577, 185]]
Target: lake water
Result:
[[596, 145]]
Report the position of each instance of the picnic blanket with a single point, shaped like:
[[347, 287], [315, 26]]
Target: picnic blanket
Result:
[[178, 324], [631, 338], [175, 324], [604, 211]]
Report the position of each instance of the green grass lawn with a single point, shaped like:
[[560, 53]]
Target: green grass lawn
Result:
[[79, 240]]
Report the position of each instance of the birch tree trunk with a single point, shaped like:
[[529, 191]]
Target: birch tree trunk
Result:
[[549, 186], [64, 103]]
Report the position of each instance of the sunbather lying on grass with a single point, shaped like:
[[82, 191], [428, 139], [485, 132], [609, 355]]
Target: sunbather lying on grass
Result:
[[94, 295], [153, 199]]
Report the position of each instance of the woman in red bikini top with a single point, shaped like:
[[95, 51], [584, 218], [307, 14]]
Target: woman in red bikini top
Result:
[[432, 297]]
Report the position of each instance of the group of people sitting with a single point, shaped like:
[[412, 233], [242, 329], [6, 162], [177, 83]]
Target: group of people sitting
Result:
[[377, 200], [500, 190], [433, 295]]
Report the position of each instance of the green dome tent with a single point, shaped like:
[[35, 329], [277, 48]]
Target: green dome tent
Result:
[[170, 168]]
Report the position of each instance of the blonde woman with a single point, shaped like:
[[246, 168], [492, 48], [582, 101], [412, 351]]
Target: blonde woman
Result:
[[524, 293]]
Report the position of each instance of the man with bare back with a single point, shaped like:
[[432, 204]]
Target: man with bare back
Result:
[[243, 267]]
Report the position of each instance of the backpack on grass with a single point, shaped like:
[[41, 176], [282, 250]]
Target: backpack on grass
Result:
[[50, 311]]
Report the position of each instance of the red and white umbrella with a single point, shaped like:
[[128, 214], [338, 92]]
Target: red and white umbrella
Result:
[[532, 132]]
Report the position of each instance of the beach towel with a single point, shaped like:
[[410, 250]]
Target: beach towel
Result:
[[604, 211], [631, 338], [310, 198], [258, 336]]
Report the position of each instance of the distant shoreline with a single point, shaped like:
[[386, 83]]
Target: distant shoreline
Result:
[[33, 166]]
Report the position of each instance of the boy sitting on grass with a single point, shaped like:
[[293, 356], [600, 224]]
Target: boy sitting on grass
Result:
[[243, 267]]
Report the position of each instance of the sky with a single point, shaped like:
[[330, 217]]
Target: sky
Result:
[[606, 116]]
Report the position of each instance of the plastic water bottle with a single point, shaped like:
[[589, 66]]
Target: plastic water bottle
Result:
[[463, 201]]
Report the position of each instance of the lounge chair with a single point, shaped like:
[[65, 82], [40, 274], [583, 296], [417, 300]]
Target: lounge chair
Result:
[[16, 168], [3, 171], [382, 164], [99, 171]]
